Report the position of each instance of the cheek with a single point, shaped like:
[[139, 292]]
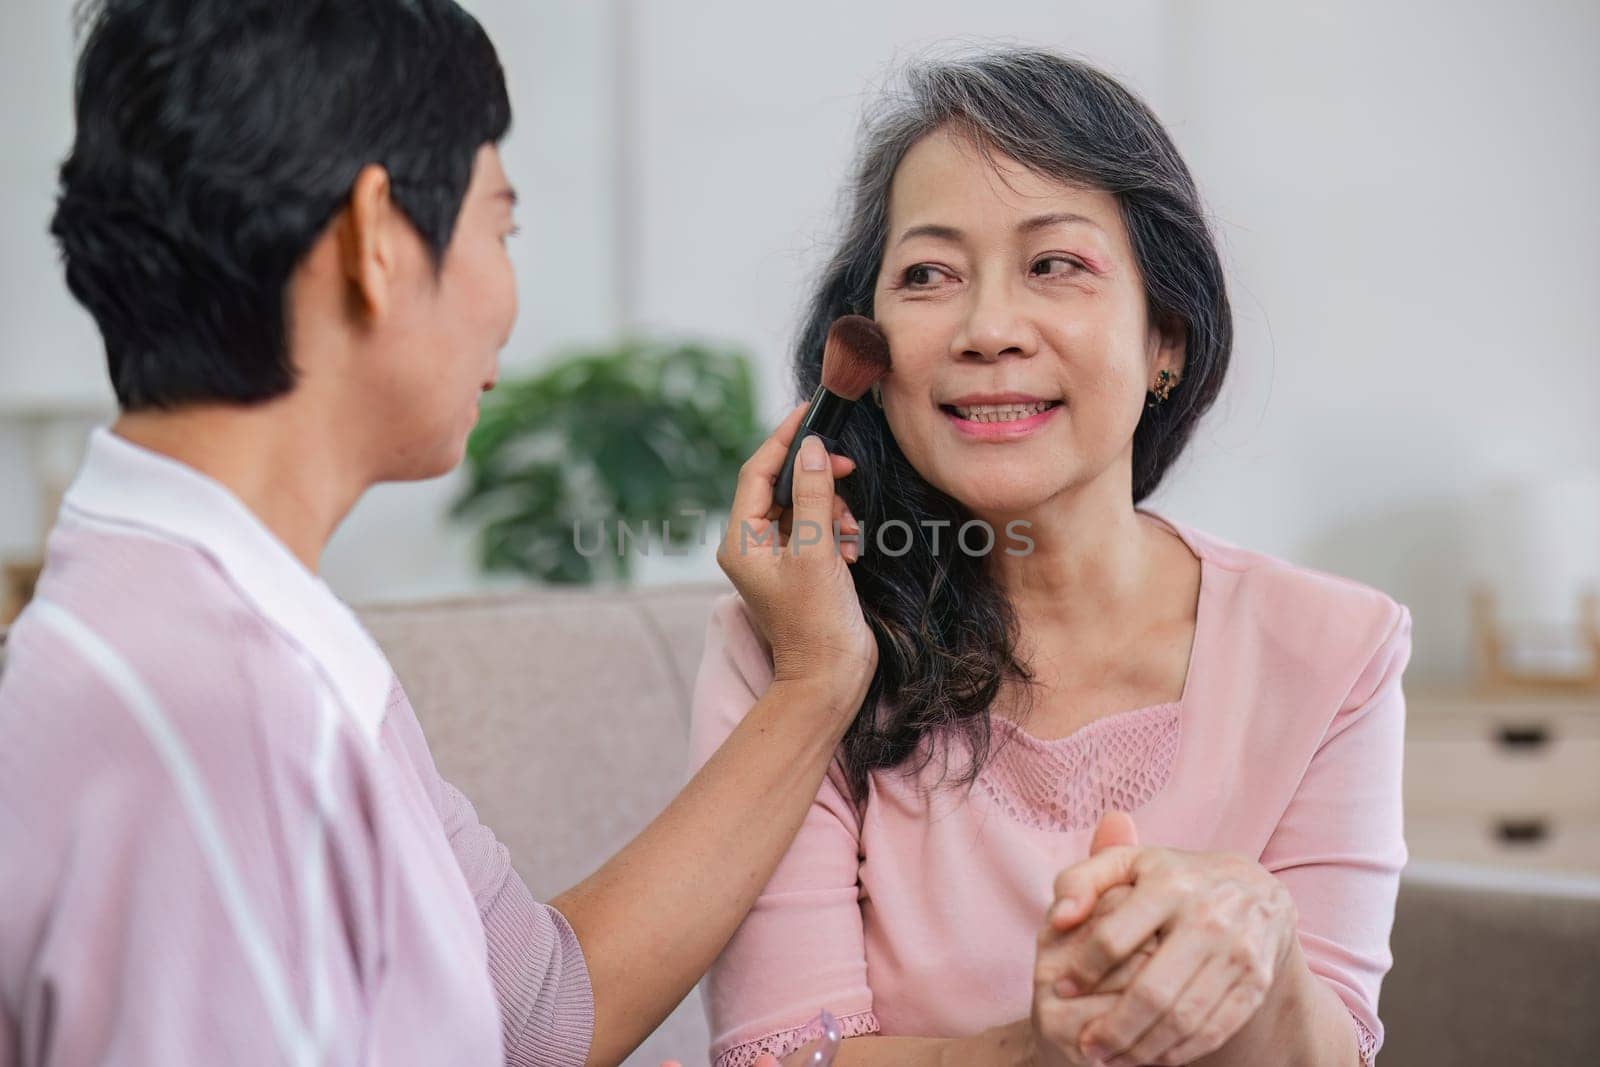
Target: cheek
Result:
[[918, 352], [482, 299], [500, 297], [493, 298], [1105, 349], [919, 342]]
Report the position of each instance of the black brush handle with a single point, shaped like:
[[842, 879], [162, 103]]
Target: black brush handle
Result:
[[825, 417]]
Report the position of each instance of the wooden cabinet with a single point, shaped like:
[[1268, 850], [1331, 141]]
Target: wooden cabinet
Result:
[[1505, 780]]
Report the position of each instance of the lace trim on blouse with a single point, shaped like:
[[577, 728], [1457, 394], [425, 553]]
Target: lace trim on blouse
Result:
[[1119, 762], [786, 1041], [1366, 1041]]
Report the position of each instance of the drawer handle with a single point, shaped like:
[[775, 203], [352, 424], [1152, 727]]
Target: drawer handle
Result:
[[1522, 831], [1523, 736]]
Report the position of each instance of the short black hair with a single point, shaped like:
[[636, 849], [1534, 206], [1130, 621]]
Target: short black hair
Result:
[[216, 139]]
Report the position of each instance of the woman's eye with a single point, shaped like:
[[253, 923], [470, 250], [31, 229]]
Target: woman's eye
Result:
[[1063, 266], [921, 275]]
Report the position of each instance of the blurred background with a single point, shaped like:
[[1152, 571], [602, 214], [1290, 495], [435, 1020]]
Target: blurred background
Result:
[[1406, 198], [1405, 194]]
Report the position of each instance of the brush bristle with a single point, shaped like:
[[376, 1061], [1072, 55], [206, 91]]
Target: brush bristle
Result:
[[855, 357]]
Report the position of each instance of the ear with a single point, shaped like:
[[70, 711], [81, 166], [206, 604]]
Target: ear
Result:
[[1169, 343], [367, 248]]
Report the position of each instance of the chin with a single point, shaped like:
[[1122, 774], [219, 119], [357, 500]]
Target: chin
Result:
[[1002, 495], [423, 464], [448, 459]]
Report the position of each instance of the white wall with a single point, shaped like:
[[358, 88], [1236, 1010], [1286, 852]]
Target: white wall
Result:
[[1408, 196], [48, 345], [559, 67], [747, 122], [1405, 193], [694, 205], [49, 350]]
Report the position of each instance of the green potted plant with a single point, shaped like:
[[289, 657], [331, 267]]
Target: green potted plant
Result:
[[646, 434]]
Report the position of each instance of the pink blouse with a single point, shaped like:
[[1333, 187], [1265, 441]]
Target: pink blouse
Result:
[[919, 916]]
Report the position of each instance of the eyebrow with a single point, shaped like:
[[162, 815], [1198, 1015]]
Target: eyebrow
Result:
[[508, 194], [1037, 222]]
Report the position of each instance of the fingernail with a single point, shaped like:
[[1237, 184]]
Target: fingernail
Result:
[[1066, 987], [1096, 1052], [813, 457], [1065, 908]]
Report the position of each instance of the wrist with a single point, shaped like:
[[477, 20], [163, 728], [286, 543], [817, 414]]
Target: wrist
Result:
[[1290, 1002], [1012, 1045], [1293, 980], [832, 702]]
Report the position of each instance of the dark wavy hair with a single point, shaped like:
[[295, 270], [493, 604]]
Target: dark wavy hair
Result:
[[947, 635], [215, 141]]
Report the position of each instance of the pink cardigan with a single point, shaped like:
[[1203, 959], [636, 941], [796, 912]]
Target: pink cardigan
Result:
[[918, 918]]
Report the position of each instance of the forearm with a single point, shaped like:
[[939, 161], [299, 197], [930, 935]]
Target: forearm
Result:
[[1003, 1046], [1302, 1021], [652, 920]]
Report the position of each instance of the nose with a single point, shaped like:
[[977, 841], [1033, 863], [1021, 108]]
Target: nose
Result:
[[995, 326]]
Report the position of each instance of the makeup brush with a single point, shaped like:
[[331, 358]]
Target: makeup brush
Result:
[[854, 359]]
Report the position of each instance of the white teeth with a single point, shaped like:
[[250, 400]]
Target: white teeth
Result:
[[1002, 412]]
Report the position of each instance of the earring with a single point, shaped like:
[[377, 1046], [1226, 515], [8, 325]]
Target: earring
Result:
[[1166, 381], [877, 393]]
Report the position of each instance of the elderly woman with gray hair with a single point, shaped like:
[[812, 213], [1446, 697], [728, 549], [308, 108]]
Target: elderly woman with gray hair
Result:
[[1119, 792]]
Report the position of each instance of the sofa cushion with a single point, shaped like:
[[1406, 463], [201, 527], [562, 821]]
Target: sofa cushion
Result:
[[1493, 969], [560, 715]]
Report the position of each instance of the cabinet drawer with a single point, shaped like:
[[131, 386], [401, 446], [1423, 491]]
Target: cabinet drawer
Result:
[[1525, 843], [1487, 776]]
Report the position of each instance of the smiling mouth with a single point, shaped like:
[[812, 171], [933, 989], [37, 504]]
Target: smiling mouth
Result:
[[985, 413]]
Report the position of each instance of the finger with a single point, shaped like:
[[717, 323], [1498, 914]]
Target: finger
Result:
[[1188, 1015], [811, 532], [1121, 977], [1054, 948], [842, 518], [1079, 886], [1104, 904], [1115, 828], [1060, 1022], [1238, 1005], [748, 537], [1114, 937], [1148, 1004], [842, 467], [752, 495], [849, 531]]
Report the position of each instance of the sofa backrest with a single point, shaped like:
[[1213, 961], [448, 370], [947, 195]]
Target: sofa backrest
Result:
[[1492, 969], [564, 717]]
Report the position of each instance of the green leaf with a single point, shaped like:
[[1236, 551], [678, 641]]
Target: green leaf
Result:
[[642, 432]]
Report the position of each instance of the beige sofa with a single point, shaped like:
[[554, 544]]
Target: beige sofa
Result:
[[563, 715]]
